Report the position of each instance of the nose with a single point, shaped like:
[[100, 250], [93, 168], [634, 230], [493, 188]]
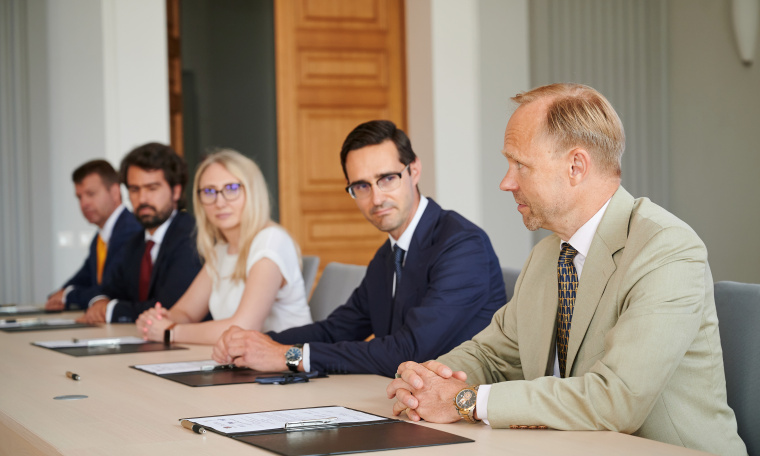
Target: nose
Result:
[[221, 201], [508, 184], [378, 196]]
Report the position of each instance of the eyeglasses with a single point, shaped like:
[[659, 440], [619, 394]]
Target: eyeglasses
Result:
[[230, 192], [386, 183]]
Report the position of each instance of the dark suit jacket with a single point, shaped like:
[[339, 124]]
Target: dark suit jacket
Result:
[[175, 267], [85, 281], [450, 288]]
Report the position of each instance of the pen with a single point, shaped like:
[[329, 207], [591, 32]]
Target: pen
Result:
[[217, 367], [98, 342], [72, 375], [197, 428], [307, 423]]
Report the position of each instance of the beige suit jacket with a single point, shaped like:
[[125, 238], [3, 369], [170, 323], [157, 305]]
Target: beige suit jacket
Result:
[[644, 354]]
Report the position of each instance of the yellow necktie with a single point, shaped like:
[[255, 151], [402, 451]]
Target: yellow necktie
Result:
[[102, 251]]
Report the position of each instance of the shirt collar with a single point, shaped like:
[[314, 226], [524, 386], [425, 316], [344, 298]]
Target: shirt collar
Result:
[[406, 238], [107, 230], [581, 240], [158, 236]]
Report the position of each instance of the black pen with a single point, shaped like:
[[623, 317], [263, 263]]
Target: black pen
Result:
[[197, 428], [72, 375]]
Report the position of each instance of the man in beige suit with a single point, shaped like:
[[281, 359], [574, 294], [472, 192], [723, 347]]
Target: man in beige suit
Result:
[[612, 325]]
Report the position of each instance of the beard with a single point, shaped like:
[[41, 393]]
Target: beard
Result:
[[154, 220]]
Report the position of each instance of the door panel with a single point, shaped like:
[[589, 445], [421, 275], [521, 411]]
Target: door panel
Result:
[[339, 63]]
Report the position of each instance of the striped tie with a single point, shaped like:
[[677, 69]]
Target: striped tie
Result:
[[568, 282]]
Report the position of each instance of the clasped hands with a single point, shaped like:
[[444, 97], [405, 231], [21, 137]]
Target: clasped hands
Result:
[[152, 323], [426, 391], [251, 349]]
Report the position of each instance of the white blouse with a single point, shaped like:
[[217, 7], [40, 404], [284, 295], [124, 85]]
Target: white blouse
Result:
[[290, 308]]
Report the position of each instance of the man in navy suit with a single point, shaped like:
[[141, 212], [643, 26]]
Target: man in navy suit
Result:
[[96, 184], [442, 286], [161, 262]]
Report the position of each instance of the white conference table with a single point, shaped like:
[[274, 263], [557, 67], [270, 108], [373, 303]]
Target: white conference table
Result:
[[130, 412]]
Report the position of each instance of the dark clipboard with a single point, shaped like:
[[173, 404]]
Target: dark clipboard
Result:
[[42, 326], [11, 310], [383, 434], [113, 349], [222, 375]]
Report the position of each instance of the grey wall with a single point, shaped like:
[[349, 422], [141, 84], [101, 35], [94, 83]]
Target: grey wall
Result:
[[229, 82], [715, 148]]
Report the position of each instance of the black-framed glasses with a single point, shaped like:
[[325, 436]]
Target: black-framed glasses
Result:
[[386, 183], [230, 192]]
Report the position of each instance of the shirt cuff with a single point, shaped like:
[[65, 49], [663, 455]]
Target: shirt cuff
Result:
[[109, 309], [481, 404], [66, 292], [306, 358]]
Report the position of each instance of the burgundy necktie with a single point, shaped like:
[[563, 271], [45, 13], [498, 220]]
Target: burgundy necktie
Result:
[[146, 267]]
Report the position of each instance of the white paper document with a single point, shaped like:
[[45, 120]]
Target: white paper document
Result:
[[264, 421], [73, 343], [13, 308], [178, 368]]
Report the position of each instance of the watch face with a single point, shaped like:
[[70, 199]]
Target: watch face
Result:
[[466, 399], [293, 354]]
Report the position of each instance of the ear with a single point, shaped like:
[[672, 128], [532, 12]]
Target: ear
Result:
[[115, 192], [176, 193], [415, 168], [580, 164]]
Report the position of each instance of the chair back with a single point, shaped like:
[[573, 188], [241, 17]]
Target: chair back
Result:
[[510, 278], [738, 306], [309, 271], [334, 288]]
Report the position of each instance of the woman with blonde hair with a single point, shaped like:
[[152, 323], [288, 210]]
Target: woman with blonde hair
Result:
[[251, 277]]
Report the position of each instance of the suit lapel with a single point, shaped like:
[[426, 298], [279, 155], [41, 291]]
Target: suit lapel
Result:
[[165, 246], [421, 241], [599, 266], [539, 288]]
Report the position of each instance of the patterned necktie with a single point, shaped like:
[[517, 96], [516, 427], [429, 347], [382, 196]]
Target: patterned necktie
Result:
[[146, 268], [101, 250], [568, 282], [398, 254]]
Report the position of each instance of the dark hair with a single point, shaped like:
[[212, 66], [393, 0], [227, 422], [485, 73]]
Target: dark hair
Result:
[[100, 167], [157, 156], [375, 132]]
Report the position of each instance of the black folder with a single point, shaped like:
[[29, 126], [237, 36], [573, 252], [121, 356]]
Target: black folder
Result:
[[42, 326], [383, 434], [225, 375], [113, 349]]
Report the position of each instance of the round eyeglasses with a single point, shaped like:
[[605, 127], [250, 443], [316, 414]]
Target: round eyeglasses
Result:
[[386, 183], [230, 192]]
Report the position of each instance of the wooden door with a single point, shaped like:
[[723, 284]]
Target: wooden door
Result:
[[339, 63]]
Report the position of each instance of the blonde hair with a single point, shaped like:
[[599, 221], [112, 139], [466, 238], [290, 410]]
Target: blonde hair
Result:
[[254, 217], [578, 115]]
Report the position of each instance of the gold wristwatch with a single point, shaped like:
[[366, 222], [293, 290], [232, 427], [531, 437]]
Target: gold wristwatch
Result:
[[465, 401]]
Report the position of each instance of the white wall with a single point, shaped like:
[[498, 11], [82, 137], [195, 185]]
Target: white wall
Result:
[[464, 60], [715, 152], [102, 90]]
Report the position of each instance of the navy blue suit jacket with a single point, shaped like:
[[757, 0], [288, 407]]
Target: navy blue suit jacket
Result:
[[451, 286], [85, 281], [175, 267]]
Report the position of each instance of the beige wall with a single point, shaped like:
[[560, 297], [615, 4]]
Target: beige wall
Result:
[[715, 146]]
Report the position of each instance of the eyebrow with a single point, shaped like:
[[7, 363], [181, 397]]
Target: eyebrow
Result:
[[377, 176]]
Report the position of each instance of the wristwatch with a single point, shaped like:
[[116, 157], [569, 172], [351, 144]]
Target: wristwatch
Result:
[[293, 357], [465, 403]]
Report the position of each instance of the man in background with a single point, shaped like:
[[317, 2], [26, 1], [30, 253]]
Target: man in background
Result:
[[160, 262], [96, 184], [434, 283]]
